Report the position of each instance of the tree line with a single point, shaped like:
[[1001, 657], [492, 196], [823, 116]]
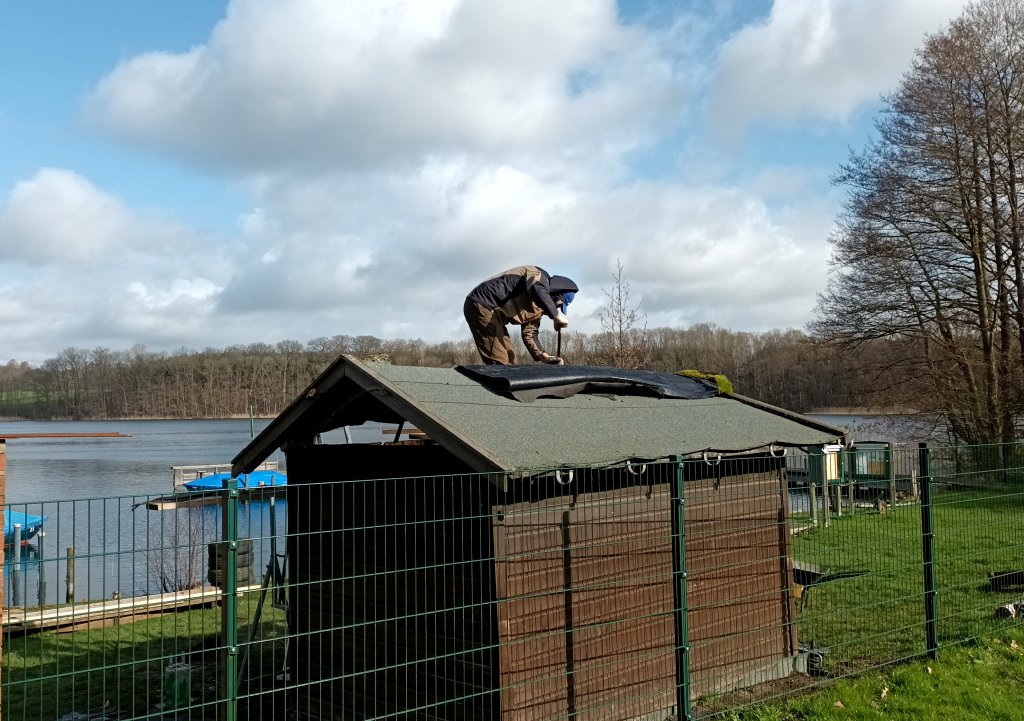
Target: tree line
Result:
[[785, 368]]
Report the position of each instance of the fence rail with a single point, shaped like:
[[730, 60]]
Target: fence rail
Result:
[[688, 587]]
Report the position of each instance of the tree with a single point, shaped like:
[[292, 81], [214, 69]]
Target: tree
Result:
[[622, 344], [928, 253]]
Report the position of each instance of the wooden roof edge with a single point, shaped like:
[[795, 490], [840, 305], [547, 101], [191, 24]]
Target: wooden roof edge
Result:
[[271, 437], [390, 394], [385, 391], [790, 415]]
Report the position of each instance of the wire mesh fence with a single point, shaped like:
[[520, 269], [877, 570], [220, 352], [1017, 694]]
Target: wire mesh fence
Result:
[[690, 587]]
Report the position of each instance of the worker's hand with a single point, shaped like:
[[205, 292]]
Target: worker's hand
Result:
[[554, 360], [561, 321]]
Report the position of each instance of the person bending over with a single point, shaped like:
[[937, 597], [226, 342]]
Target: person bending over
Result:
[[521, 296]]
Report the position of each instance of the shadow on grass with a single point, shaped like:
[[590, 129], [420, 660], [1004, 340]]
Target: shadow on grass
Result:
[[123, 669]]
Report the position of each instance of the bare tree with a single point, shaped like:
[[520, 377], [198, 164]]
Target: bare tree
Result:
[[928, 249], [175, 554], [624, 342]]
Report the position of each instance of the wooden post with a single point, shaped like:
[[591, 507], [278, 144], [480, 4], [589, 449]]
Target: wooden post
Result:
[[16, 567], [69, 579]]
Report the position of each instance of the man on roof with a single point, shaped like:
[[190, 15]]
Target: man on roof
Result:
[[522, 296]]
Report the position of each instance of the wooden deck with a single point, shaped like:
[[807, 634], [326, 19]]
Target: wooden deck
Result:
[[75, 616], [180, 475], [189, 499]]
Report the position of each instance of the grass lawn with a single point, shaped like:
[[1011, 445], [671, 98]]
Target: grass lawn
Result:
[[122, 668], [878, 617], [870, 621], [980, 682]]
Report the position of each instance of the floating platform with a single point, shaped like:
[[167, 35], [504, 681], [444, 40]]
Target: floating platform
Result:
[[190, 499], [94, 614], [182, 475]]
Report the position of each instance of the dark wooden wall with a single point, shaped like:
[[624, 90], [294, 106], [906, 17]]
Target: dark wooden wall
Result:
[[392, 585], [445, 599]]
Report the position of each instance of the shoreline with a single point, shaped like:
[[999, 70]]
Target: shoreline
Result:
[[861, 411]]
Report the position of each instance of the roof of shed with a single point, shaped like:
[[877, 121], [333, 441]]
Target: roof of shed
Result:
[[490, 432]]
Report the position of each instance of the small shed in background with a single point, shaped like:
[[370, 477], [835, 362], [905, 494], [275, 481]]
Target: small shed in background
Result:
[[522, 561]]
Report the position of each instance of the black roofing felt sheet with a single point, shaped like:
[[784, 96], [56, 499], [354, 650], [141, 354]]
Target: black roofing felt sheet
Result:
[[530, 382]]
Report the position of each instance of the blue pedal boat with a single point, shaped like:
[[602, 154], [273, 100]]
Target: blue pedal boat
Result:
[[30, 523], [247, 481]]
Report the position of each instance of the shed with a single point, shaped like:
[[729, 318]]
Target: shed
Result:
[[527, 560]]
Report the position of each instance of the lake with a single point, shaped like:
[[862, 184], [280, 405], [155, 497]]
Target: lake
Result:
[[90, 489]]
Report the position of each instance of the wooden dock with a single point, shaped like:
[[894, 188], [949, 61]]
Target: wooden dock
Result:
[[180, 475], [109, 612], [189, 499]]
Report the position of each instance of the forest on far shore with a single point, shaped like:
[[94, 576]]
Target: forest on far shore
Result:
[[785, 368]]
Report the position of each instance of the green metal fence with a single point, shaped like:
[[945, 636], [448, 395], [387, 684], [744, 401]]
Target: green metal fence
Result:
[[689, 587]]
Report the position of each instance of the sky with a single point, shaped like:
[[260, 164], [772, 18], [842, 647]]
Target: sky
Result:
[[205, 173]]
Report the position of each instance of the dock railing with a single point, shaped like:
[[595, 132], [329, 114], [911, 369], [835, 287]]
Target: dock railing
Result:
[[690, 587]]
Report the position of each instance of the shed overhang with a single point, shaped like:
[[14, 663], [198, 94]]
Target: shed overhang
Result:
[[490, 432]]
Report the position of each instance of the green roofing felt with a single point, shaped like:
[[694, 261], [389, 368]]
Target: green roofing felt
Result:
[[491, 432], [588, 430]]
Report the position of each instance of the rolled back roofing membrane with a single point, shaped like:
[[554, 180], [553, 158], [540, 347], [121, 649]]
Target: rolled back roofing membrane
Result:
[[530, 382]]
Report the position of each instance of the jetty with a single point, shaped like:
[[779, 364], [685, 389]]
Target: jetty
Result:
[[181, 497], [110, 612]]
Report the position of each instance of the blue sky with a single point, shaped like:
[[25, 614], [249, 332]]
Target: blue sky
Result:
[[209, 173]]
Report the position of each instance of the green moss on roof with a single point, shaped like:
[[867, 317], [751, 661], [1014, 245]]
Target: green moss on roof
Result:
[[723, 383]]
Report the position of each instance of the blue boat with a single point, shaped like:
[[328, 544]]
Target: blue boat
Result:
[[246, 481], [30, 525]]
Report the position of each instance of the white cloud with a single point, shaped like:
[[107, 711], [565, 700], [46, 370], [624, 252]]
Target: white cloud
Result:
[[59, 217], [81, 267], [322, 84], [714, 254], [819, 59]]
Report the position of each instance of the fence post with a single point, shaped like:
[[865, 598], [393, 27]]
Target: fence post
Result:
[[928, 550], [812, 497], [892, 475], [826, 501], [684, 711], [229, 602], [3, 519]]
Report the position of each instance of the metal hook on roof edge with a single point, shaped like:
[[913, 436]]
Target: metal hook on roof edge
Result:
[[558, 477], [631, 469], [717, 460]]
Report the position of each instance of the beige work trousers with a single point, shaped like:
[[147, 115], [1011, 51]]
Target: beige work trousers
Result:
[[489, 334]]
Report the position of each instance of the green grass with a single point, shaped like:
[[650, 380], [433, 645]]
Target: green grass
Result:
[[15, 401], [872, 626], [878, 617], [981, 682], [47, 675]]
